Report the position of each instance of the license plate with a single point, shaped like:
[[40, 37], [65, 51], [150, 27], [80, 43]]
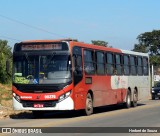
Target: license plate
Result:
[[38, 105]]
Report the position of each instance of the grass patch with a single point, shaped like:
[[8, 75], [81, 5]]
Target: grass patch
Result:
[[5, 93]]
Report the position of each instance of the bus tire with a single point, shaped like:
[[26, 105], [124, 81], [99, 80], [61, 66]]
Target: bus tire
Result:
[[37, 114], [127, 104], [89, 105], [135, 98]]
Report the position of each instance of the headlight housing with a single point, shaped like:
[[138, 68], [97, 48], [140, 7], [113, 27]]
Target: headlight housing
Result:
[[153, 90], [16, 97], [64, 96]]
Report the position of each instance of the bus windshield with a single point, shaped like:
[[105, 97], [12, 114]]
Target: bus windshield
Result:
[[45, 69]]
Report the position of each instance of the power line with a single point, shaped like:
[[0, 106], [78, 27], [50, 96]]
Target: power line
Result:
[[31, 26], [6, 37]]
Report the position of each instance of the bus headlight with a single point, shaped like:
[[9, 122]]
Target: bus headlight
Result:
[[16, 97], [64, 96]]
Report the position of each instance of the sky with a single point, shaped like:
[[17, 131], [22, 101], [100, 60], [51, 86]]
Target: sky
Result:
[[117, 22]]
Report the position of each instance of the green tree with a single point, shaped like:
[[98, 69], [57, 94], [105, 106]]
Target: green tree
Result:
[[100, 43], [149, 42], [140, 48], [5, 55]]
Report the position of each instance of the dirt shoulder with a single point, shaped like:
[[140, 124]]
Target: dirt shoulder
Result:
[[6, 108]]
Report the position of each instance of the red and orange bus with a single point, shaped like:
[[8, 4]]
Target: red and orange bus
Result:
[[63, 74]]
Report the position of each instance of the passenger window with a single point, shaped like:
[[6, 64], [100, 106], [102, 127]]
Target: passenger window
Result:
[[126, 64], [140, 67], [109, 64], [133, 65], [89, 65], [77, 64], [145, 66], [100, 63], [118, 66]]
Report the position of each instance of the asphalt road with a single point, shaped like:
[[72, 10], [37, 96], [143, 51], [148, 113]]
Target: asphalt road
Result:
[[146, 114]]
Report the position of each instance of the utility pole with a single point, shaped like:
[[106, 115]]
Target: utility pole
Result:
[[152, 76]]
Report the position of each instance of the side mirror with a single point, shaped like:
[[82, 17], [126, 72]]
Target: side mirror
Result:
[[7, 66]]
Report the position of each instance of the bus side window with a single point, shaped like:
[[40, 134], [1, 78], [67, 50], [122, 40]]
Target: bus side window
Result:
[[77, 64], [133, 65], [89, 65], [145, 66], [100, 63], [109, 64], [126, 64], [139, 67], [118, 66]]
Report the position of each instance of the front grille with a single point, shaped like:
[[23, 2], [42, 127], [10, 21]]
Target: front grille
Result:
[[45, 103], [32, 88]]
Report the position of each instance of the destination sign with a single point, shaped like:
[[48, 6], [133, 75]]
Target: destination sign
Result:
[[53, 46]]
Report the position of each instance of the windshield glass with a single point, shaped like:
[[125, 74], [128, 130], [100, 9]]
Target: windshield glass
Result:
[[158, 85], [47, 69]]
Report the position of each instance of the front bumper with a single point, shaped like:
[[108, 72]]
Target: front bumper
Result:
[[66, 104]]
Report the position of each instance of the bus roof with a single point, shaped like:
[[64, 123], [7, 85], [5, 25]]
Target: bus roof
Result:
[[135, 53], [46, 41], [88, 46]]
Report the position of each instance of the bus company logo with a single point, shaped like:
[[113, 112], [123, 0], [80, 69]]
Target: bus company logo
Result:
[[26, 97], [38, 97], [117, 81]]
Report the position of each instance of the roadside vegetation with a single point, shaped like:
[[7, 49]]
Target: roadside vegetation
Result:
[[5, 93]]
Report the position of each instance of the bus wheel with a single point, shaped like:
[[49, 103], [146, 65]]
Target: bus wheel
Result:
[[128, 100], [37, 114], [89, 105], [135, 98]]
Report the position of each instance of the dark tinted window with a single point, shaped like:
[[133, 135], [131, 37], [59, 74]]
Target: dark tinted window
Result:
[[118, 59], [139, 67], [126, 64], [109, 58], [100, 63], [145, 66], [126, 60], [77, 61], [118, 66], [133, 65], [89, 62], [157, 85], [109, 63]]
